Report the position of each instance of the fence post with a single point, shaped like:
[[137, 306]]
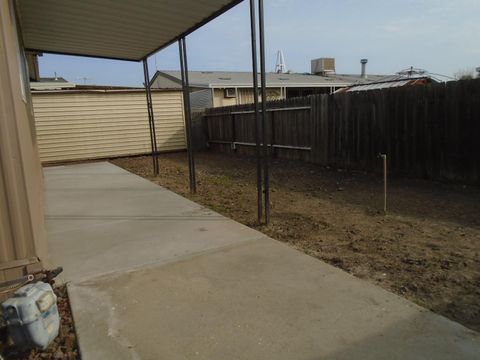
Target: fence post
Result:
[[384, 158], [234, 137], [272, 136], [206, 133]]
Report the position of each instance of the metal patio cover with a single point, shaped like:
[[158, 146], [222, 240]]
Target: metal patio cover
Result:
[[116, 29]]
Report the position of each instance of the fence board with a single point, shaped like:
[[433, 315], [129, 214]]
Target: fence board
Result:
[[427, 131]]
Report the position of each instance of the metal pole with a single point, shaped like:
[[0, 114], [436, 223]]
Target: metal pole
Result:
[[151, 120], [182, 47], [258, 129], [145, 80], [266, 175], [154, 132]]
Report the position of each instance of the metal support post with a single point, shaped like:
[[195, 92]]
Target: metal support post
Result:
[[253, 38], [188, 112], [266, 174], [151, 119]]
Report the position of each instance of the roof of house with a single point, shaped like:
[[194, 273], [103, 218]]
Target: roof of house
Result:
[[398, 82], [120, 29], [57, 79], [223, 79], [51, 83]]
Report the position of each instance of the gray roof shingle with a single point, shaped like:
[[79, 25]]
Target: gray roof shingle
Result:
[[223, 79]]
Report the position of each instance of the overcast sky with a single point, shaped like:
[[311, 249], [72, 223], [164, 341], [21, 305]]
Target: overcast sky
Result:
[[441, 36]]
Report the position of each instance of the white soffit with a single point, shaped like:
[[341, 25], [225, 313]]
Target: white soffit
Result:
[[116, 29]]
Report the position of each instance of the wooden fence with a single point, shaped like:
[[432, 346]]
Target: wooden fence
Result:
[[430, 131]]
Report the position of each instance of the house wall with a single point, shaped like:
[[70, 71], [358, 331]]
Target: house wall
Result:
[[75, 125], [244, 96], [23, 241], [219, 99]]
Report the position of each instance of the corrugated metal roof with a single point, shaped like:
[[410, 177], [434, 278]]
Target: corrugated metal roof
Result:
[[222, 79], [120, 29], [388, 84], [379, 85]]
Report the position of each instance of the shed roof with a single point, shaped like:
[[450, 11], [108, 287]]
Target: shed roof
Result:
[[120, 29], [222, 79]]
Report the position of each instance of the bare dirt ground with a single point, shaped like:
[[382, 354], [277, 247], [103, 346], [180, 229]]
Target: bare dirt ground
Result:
[[426, 248]]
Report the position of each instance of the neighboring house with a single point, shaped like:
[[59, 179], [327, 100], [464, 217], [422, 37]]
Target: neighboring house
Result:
[[407, 77], [43, 83], [221, 88], [54, 83]]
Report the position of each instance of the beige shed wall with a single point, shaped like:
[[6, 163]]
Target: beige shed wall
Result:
[[86, 125], [22, 229]]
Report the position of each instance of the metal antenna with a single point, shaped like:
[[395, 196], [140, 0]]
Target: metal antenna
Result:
[[84, 78], [280, 67]]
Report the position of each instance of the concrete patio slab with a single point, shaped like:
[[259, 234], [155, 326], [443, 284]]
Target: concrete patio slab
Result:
[[160, 277], [260, 300], [101, 219]]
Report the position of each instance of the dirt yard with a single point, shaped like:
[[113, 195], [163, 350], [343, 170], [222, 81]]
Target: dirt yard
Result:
[[426, 249]]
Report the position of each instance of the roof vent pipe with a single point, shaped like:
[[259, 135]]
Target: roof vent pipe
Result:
[[364, 68]]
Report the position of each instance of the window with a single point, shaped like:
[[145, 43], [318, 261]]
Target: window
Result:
[[230, 92]]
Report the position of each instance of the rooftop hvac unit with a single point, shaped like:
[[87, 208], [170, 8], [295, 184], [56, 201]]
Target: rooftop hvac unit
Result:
[[323, 66]]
